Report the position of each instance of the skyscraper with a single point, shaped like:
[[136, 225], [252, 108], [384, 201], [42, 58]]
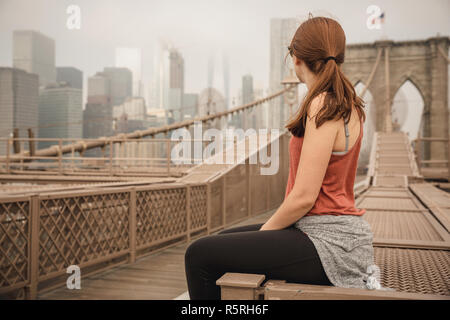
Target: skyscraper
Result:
[[72, 76], [106, 89], [168, 81], [159, 95], [281, 34], [97, 116], [99, 86], [219, 75], [131, 115], [226, 80], [121, 83], [131, 58], [247, 89], [260, 115], [60, 113], [19, 93], [246, 95], [176, 84], [35, 53], [190, 105]]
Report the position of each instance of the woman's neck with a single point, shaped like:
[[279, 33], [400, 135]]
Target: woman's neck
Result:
[[310, 78]]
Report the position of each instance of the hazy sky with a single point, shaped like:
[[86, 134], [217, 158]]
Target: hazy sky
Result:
[[239, 27]]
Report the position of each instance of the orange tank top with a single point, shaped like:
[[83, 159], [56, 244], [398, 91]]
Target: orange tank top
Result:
[[336, 195]]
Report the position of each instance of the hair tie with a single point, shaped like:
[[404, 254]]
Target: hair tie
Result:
[[329, 58]]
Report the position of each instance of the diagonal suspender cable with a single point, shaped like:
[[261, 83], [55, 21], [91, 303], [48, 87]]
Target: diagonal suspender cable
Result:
[[372, 73], [388, 117], [443, 54]]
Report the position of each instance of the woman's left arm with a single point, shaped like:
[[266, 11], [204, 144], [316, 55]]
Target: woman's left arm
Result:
[[315, 156]]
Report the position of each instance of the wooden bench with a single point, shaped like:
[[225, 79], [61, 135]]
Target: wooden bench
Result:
[[243, 286]]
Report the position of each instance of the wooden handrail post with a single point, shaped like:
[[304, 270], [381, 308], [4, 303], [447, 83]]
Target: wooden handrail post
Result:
[[16, 142], [132, 225], [73, 160], [417, 146], [31, 142], [33, 248], [8, 146], [122, 160], [168, 156], [110, 157], [139, 153], [240, 286], [60, 156]]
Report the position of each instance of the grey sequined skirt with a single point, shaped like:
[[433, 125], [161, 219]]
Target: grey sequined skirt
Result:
[[344, 245]]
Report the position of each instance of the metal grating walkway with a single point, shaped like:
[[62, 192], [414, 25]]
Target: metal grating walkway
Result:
[[410, 220]]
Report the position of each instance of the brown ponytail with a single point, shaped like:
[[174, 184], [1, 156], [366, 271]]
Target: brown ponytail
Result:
[[320, 43]]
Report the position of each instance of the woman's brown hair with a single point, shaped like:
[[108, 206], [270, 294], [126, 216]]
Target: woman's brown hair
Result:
[[320, 43]]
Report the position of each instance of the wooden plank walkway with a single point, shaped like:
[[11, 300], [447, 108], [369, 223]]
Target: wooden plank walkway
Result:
[[159, 276]]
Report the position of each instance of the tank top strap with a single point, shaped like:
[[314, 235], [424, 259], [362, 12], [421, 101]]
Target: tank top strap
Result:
[[347, 134]]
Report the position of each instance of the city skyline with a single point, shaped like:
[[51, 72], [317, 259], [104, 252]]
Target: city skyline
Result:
[[201, 25], [35, 52]]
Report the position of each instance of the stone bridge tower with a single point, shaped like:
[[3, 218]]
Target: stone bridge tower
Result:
[[422, 63]]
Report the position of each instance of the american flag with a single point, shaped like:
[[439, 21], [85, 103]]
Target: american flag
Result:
[[379, 18]]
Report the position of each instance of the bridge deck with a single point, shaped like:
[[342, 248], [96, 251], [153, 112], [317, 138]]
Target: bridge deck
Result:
[[409, 218], [157, 276]]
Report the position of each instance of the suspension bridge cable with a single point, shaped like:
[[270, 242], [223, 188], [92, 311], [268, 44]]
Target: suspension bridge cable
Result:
[[372, 73], [443, 54], [81, 145]]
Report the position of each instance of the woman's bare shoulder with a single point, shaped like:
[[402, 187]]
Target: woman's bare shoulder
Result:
[[316, 104]]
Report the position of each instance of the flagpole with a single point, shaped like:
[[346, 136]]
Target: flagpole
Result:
[[383, 28]]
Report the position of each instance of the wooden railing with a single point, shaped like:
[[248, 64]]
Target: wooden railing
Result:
[[143, 156], [99, 227], [420, 142]]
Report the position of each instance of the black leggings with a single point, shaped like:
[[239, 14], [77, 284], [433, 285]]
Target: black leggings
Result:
[[286, 254]]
